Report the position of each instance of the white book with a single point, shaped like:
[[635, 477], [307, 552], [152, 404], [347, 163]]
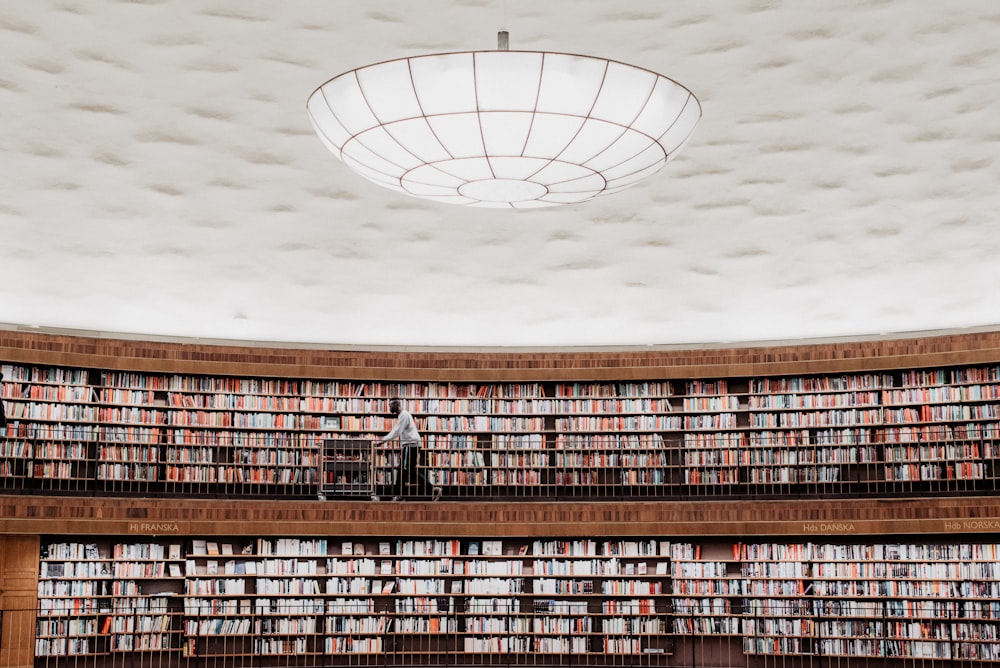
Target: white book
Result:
[[492, 547]]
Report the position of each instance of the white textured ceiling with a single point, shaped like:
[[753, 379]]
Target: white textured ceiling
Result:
[[160, 176]]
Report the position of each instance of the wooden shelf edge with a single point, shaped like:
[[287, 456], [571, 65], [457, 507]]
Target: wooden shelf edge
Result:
[[154, 517], [674, 362]]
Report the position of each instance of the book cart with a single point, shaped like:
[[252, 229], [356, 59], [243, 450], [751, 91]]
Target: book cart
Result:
[[347, 468]]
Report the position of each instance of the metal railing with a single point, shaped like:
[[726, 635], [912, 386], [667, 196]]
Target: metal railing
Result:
[[615, 466]]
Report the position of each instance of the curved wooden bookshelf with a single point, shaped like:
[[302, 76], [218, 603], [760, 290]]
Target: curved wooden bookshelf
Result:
[[502, 365], [727, 634], [750, 516]]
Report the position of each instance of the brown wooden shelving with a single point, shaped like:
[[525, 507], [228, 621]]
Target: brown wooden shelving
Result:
[[959, 513]]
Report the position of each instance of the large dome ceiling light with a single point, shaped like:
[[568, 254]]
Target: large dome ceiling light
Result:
[[504, 129]]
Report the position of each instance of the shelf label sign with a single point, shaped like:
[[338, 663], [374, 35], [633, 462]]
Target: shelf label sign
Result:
[[154, 528], [972, 525], [828, 527]]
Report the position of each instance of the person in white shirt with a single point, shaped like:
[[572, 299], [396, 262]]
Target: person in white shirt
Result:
[[405, 430]]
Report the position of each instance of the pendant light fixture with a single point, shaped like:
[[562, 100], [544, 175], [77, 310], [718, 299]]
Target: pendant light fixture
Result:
[[504, 129]]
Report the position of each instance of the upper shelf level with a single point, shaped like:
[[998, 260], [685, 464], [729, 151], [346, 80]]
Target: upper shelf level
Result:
[[889, 433]]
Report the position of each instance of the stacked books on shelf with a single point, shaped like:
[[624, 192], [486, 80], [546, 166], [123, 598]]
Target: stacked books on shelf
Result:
[[836, 435]]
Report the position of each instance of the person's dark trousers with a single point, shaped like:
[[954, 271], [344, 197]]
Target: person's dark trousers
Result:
[[412, 482]]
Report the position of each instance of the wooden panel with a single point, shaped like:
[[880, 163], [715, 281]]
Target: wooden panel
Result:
[[492, 365], [153, 517], [18, 599]]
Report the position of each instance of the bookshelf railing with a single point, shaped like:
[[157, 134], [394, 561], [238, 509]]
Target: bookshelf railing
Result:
[[42, 459]]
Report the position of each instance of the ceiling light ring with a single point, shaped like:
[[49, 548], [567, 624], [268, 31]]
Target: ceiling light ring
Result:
[[578, 178], [358, 138], [407, 175], [409, 178], [653, 144]]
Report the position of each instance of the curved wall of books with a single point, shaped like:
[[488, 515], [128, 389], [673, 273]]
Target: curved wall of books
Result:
[[808, 504]]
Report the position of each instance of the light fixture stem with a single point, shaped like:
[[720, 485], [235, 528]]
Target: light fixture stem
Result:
[[503, 38]]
